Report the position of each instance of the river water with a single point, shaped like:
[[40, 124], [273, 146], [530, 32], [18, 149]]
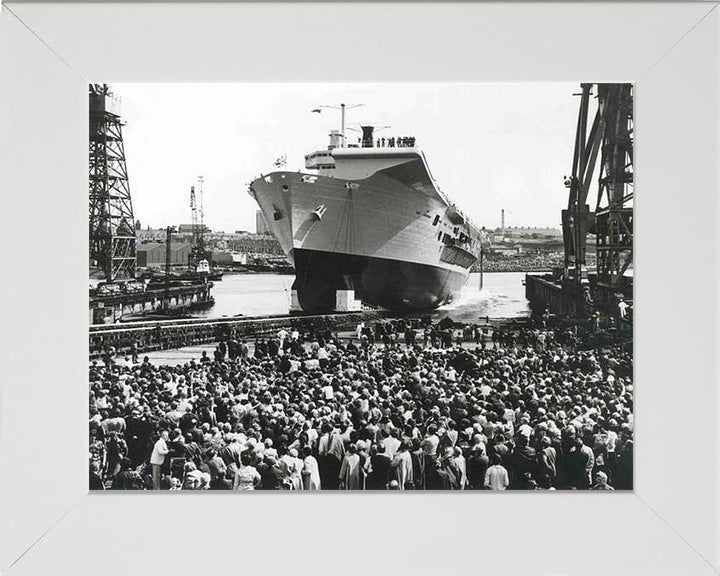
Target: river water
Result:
[[503, 296]]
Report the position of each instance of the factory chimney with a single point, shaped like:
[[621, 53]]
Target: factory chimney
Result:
[[502, 223]]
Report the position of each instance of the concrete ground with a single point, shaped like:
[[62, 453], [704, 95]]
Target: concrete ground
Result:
[[173, 357]]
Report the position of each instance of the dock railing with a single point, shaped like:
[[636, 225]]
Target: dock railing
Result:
[[150, 336]]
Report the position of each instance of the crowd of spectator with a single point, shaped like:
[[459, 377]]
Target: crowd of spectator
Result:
[[520, 263], [396, 406]]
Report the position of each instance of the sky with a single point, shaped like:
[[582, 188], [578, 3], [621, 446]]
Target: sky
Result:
[[489, 146]]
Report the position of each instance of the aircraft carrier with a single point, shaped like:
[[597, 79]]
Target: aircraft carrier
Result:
[[368, 225]]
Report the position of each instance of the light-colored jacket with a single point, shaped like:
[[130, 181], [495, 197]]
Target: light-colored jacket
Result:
[[311, 474], [496, 478], [159, 451]]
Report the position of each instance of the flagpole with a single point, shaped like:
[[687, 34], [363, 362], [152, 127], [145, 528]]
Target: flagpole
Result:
[[342, 118], [342, 123]]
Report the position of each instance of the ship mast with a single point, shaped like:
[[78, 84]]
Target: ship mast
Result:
[[343, 107], [342, 123]]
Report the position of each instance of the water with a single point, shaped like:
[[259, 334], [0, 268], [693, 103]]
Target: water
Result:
[[503, 296], [250, 295]]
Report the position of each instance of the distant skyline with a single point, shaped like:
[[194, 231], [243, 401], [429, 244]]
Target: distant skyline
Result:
[[489, 146]]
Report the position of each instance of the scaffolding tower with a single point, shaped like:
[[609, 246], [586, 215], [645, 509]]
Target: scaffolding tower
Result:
[[112, 222]]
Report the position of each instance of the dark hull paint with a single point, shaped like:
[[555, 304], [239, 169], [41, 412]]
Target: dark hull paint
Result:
[[391, 284]]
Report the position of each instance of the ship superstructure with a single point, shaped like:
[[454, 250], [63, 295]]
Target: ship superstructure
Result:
[[368, 225]]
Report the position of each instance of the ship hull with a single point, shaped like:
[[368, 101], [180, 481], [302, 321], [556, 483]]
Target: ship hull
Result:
[[385, 233], [386, 283]]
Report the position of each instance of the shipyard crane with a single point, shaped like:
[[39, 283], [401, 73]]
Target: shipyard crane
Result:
[[197, 254], [610, 138], [111, 218]]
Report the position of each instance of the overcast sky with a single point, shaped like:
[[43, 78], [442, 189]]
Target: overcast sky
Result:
[[489, 146]]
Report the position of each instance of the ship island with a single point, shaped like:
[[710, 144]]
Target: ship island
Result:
[[368, 225]]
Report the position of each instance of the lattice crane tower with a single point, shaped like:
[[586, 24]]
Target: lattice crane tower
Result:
[[112, 222], [610, 138]]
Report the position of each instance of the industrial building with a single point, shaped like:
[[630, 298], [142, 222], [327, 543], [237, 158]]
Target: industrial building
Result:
[[153, 254], [189, 228], [225, 258], [256, 244]]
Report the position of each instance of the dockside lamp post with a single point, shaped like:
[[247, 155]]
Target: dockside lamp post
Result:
[[168, 238]]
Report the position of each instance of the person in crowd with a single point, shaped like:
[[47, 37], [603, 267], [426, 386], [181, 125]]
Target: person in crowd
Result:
[[351, 470], [331, 451], [496, 477], [477, 465], [601, 482], [580, 461], [402, 467], [96, 482], [127, 478], [157, 458], [461, 466], [310, 471], [295, 467], [215, 466], [380, 464], [623, 307], [246, 475]]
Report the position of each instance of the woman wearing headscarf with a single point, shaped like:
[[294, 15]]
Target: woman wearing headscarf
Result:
[[310, 471], [246, 476], [350, 470], [295, 467], [402, 467]]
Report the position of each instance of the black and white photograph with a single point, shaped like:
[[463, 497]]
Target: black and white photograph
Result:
[[355, 248], [361, 287]]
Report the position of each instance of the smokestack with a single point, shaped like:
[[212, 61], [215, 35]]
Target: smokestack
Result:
[[502, 222], [367, 136]]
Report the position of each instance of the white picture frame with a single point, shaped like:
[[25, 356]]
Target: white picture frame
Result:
[[49, 523]]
